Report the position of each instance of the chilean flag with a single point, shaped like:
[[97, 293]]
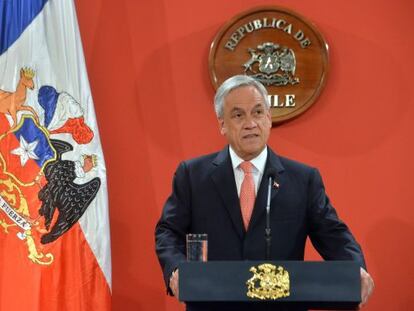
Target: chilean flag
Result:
[[54, 222]]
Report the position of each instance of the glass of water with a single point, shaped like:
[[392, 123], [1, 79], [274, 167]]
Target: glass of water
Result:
[[196, 246]]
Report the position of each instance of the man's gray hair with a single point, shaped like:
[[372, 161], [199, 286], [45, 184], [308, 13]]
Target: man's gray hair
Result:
[[233, 83]]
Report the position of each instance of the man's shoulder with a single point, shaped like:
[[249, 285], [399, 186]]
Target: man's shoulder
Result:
[[296, 170], [201, 160], [202, 165]]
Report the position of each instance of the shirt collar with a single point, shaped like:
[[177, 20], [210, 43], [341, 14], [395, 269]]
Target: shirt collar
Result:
[[258, 162]]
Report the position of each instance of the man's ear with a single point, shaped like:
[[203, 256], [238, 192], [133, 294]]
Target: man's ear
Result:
[[222, 127]]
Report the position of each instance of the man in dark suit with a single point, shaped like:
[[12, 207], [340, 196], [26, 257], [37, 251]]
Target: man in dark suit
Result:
[[224, 195]]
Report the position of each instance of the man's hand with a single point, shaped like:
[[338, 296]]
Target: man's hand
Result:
[[367, 286], [174, 283]]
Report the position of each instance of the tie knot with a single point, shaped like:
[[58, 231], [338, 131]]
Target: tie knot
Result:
[[246, 167]]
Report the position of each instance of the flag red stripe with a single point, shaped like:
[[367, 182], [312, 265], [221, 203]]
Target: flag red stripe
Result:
[[74, 282]]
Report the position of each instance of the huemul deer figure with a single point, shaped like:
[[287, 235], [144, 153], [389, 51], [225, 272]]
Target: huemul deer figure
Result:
[[12, 102]]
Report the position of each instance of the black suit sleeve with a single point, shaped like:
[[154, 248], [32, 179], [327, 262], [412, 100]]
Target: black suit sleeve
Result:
[[329, 235], [173, 225]]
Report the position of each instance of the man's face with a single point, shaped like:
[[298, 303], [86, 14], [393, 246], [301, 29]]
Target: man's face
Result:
[[246, 121]]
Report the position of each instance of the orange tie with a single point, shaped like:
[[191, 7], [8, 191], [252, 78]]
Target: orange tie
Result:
[[247, 193]]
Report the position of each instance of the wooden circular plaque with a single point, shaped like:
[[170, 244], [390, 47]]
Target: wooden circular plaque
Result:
[[279, 48]]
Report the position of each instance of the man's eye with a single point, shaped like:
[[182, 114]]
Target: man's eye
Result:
[[237, 115]]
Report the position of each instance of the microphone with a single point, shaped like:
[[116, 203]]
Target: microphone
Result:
[[271, 174]]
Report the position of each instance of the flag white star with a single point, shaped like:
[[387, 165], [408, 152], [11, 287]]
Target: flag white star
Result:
[[26, 151]]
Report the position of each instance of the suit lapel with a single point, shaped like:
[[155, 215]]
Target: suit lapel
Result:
[[223, 178], [272, 162]]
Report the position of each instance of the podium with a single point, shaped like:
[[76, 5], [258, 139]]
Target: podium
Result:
[[322, 285]]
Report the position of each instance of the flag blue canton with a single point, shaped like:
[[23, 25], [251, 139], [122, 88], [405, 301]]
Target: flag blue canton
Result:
[[15, 16]]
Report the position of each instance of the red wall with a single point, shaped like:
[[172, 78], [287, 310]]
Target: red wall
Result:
[[148, 69]]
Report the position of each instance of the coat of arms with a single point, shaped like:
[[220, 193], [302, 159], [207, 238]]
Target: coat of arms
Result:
[[43, 194], [279, 48], [276, 64], [268, 282]]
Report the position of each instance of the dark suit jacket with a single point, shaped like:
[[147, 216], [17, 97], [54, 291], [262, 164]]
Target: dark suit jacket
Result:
[[205, 200]]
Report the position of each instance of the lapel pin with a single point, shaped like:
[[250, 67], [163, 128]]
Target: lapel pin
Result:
[[276, 185]]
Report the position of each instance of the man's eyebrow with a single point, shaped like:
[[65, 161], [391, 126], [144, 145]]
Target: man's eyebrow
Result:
[[236, 109], [258, 106]]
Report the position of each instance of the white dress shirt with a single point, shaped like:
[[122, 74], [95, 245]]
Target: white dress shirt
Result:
[[258, 162]]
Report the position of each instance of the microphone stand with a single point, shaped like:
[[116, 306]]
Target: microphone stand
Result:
[[268, 233]]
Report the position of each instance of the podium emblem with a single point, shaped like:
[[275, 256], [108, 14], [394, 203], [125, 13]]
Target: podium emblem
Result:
[[268, 282]]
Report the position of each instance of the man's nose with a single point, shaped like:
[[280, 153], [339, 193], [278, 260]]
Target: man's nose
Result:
[[250, 123]]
